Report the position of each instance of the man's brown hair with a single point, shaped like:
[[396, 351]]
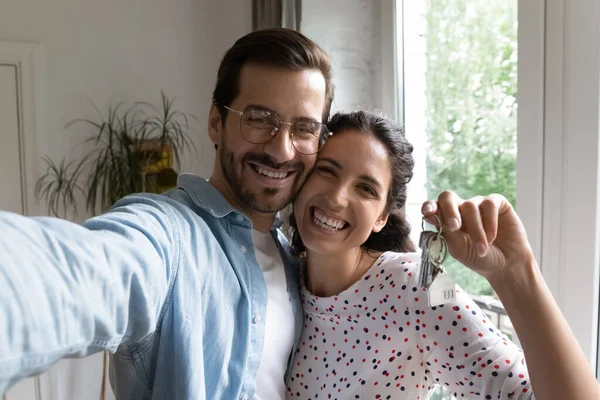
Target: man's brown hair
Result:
[[279, 47]]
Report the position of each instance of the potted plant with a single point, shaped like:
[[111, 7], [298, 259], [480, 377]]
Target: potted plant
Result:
[[135, 150]]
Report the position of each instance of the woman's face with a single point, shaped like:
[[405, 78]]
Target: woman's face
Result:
[[344, 198]]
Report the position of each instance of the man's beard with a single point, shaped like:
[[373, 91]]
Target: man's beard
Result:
[[244, 196]]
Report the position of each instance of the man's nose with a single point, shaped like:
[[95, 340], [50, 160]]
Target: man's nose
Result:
[[281, 147]]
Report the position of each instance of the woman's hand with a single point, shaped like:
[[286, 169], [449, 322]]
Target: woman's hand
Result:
[[483, 233], [486, 235]]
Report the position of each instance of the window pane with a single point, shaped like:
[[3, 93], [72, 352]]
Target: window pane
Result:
[[460, 103], [459, 79]]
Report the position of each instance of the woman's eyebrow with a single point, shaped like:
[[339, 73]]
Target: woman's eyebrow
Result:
[[371, 179], [364, 177], [335, 163]]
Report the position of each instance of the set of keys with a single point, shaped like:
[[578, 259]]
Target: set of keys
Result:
[[433, 278]]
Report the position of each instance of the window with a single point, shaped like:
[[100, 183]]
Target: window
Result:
[[459, 74], [460, 84], [556, 173], [557, 176]]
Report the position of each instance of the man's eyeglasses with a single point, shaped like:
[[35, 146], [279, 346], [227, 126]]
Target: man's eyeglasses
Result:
[[258, 126]]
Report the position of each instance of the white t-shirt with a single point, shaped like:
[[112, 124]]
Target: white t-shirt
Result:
[[379, 339], [279, 326]]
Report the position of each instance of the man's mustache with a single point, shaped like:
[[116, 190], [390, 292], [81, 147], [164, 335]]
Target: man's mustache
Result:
[[268, 161]]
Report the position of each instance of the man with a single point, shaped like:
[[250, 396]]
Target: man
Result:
[[187, 289]]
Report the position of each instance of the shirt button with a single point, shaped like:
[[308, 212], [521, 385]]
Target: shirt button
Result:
[[244, 397], [257, 318], [239, 217], [243, 249]]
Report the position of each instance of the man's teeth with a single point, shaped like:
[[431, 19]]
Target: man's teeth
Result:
[[327, 223], [271, 174]]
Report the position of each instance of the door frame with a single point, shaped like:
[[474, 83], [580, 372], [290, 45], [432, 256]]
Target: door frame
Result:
[[26, 57]]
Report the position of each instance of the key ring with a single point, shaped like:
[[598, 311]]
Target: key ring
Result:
[[438, 236], [439, 221]]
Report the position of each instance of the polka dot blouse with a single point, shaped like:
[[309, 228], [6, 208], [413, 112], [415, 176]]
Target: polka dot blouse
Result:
[[379, 339]]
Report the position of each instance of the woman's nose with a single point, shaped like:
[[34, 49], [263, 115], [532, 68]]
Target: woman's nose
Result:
[[337, 197]]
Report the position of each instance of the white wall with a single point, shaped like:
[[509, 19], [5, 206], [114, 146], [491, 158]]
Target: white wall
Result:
[[120, 50], [124, 50], [360, 38], [350, 32]]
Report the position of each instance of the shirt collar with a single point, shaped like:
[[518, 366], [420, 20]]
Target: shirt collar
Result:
[[207, 197]]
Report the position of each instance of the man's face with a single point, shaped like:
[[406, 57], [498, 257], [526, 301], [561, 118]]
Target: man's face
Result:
[[264, 178]]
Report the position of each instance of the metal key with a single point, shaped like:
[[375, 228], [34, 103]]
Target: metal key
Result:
[[437, 254], [426, 270], [434, 251]]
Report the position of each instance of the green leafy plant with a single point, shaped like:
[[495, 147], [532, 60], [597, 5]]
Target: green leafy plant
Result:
[[134, 150], [57, 185]]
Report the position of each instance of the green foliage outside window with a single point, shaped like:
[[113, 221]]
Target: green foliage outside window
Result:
[[471, 105]]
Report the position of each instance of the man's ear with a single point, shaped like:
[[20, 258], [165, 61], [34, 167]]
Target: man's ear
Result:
[[380, 222], [215, 125]]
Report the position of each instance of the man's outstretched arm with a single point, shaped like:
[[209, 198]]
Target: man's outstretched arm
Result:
[[68, 290]]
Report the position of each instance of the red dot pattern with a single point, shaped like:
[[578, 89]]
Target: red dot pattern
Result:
[[380, 340]]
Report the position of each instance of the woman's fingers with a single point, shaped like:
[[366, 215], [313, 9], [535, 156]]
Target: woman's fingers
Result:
[[476, 217], [449, 204], [489, 208], [429, 209], [446, 209], [473, 225]]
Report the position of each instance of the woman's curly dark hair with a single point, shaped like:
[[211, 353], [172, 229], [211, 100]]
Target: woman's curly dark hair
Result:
[[395, 234]]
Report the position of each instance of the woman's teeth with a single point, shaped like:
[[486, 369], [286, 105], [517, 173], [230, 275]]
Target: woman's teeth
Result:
[[272, 174], [322, 220]]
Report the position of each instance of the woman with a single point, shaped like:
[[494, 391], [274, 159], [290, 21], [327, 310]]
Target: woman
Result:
[[369, 332]]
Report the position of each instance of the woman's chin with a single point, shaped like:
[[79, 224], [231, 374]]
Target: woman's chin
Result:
[[318, 247]]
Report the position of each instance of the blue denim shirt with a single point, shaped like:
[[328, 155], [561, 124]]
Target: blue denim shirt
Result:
[[168, 283]]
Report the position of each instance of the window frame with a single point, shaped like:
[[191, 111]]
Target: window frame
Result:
[[571, 110], [558, 142]]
